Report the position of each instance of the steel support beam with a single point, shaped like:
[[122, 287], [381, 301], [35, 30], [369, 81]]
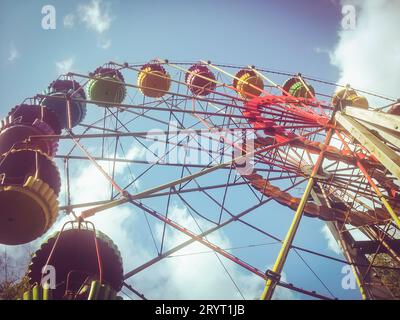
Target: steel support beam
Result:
[[388, 158], [386, 120], [386, 134], [370, 286]]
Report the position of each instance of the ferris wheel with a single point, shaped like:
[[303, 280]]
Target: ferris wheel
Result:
[[228, 143]]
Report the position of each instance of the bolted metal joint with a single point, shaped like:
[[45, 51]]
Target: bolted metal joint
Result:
[[273, 276]]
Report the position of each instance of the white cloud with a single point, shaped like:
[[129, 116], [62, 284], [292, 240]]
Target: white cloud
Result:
[[358, 235], [65, 66], [197, 276], [104, 43], [332, 243], [69, 21], [96, 16], [90, 185], [13, 54], [369, 56], [195, 272]]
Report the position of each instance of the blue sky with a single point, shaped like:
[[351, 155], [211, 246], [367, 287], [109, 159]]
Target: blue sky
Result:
[[272, 34], [293, 36]]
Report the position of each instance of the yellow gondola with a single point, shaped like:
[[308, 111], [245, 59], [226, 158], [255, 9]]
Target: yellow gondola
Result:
[[28, 195], [249, 84], [153, 80], [349, 97]]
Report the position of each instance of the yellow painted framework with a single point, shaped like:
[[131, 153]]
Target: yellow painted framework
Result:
[[287, 242]]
